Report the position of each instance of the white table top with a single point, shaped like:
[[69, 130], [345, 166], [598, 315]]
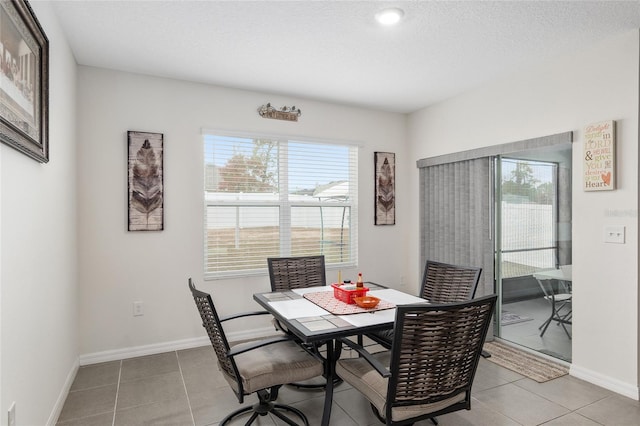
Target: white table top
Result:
[[304, 308], [564, 274]]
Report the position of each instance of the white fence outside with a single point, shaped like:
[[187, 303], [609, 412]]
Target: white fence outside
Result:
[[258, 210]]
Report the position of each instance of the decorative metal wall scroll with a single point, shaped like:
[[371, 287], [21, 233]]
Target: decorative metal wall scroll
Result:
[[285, 113]]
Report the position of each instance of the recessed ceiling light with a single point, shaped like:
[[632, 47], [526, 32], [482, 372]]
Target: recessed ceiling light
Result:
[[389, 16]]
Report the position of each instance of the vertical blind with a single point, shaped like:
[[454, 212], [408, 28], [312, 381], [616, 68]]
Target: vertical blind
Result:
[[277, 197], [455, 216]]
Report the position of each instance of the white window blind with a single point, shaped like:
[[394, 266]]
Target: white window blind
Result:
[[271, 197]]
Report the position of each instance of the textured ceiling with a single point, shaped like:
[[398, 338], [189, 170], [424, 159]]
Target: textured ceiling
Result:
[[334, 50]]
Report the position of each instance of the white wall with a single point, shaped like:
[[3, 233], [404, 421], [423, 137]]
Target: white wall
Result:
[[117, 267], [38, 285], [38, 282], [598, 84]]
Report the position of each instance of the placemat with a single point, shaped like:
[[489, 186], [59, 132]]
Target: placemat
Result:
[[326, 301]]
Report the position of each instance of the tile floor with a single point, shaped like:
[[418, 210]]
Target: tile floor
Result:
[[185, 388]]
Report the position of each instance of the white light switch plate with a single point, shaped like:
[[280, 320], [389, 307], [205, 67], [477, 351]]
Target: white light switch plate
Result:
[[614, 234]]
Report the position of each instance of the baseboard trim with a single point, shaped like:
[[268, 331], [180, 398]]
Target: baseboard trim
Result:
[[598, 379], [176, 345], [606, 382], [62, 397]]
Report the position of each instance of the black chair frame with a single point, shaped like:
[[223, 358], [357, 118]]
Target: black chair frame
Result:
[[287, 273], [441, 283], [225, 354], [437, 363], [561, 308]]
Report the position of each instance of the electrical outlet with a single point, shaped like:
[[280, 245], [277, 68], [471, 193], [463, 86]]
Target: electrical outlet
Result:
[[12, 414], [138, 309]]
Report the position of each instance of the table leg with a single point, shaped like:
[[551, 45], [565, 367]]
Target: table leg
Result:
[[333, 353]]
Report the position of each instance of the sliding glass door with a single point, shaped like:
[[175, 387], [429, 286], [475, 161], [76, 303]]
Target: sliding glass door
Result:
[[507, 209], [533, 238]]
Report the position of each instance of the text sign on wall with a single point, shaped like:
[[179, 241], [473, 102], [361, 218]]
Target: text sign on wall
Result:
[[599, 156]]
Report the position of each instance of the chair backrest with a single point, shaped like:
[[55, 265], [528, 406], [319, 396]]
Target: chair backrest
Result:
[[287, 273], [435, 352], [211, 323], [446, 283], [546, 288]]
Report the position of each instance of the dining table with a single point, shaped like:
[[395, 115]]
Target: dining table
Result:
[[318, 316], [563, 273]]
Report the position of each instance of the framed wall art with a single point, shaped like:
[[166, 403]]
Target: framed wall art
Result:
[[24, 81], [599, 154], [385, 188], [146, 181]]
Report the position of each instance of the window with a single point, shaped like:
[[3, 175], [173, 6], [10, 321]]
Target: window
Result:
[[529, 216], [270, 197]]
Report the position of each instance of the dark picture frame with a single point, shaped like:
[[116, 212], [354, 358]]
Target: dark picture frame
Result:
[[24, 81], [385, 188], [145, 181]]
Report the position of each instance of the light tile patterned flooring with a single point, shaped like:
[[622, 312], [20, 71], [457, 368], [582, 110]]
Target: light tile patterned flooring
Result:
[[185, 388]]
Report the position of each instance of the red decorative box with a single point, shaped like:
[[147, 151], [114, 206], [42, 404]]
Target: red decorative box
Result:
[[347, 296]]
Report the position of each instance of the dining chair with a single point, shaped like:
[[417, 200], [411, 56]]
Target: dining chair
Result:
[[432, 364], [441, 283], [288, 273], [560, 301], [259, 366], [446, 283]]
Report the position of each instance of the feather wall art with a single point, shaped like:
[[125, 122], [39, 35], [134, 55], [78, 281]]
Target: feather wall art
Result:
[[146, 181], [385, 188]]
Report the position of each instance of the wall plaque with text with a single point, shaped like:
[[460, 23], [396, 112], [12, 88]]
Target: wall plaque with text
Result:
[[599, 156]]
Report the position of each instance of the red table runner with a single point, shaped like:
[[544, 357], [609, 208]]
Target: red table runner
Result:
[[326, 301]]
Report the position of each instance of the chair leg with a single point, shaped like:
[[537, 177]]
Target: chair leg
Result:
[[548, 320], [565, 330], [266, 406], [293, 410], [237, 413], [434, 420], [545, 325], [561, 319]]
